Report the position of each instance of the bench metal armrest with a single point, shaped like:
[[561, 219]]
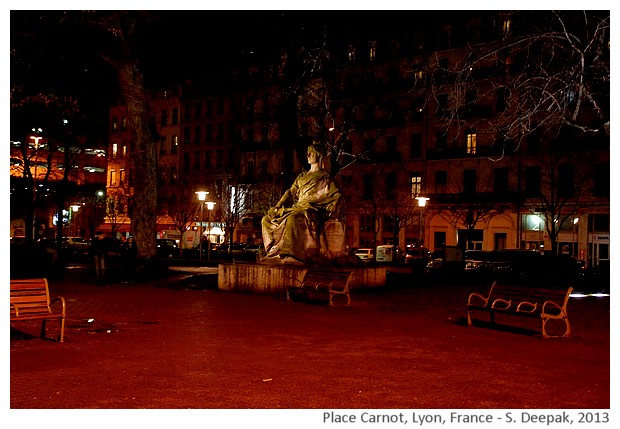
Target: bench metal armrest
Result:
[[63, 305], [477, 297], [557, 311]]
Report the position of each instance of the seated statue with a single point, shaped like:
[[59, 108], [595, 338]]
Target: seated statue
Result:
[[294, 225]]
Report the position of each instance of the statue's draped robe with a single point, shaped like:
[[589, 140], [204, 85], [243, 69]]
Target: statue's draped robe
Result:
[[286, 230]]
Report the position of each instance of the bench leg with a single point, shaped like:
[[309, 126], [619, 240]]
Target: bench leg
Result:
[[544, 330], [62, 330], [43, 328]]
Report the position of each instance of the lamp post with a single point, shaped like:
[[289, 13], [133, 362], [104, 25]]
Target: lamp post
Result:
[[74, 209], [421, 204], [574, 249], [210, 205], [202, 196]]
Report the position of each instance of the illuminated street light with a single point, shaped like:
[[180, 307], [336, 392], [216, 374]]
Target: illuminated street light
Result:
[[74, 209], [421, 204], [210, 206], [202, 196]]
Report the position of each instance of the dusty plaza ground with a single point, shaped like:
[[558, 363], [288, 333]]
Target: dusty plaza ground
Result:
[[168, 344]]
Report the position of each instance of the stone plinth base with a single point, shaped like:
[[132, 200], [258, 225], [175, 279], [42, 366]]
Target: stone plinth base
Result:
[[272, 279]]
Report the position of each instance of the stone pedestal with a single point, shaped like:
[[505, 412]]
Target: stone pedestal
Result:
[[272, 279]]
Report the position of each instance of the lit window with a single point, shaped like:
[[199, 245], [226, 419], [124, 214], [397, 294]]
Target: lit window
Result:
[[112, 177], [372, 50], [415, 180], [114, 150], [471, 143], [506, 27], [352, 53]]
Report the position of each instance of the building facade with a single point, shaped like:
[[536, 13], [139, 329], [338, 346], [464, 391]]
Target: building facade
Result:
[[403, 120]]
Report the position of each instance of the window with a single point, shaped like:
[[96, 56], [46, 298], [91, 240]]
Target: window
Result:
[[186, 135], [164, 118], [124, 126], [601, 180], [198, 110], [471, 97], [415, 180], [506, 26], [418, 41], [441, 181], [566, 181], [367, 223], [220, 106], [186, 161], [197, 130], [250, 169], [532, 181], [469, 181], [219, 158], [415, 150], [392, 143], [114, 150], [112, 177], [115, 123], [368, 181], [500, 182], [390, 186], [174, 144], [196, 160], [372, 50], [175, 116], [471, 143], [187, 113], [369, 145], [122, 177], [501, 98], [220, 132], [207, 159], [209, 133], [351, 53], [264, 167], [442, 103], [441, 140]]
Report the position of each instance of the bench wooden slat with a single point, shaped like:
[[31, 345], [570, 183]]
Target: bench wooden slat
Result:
[[30, 300], [544, 303]]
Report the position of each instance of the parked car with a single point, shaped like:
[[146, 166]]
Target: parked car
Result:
[[389, 253], [76, 244], [477, 259], [230, 250], [167, 248], [417, 257], [366, 255]]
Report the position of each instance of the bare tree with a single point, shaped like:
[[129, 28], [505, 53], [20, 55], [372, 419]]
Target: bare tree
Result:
[[182, 209], [551, 73]]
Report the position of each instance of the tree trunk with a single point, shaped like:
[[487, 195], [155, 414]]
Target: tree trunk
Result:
[[144, 160]]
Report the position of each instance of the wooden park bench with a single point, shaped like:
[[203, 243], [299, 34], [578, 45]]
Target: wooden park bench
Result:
[[30, 300], [544, 303], [321, 285]]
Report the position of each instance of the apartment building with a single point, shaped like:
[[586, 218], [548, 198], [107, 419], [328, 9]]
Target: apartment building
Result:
[[417, 119]]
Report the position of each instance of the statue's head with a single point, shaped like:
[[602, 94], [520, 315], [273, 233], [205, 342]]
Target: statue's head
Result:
[[316, 149]]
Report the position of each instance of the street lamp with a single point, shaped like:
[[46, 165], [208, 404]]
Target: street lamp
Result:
[[421, 204], [202, 196], [74, 209], [210, 206]]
